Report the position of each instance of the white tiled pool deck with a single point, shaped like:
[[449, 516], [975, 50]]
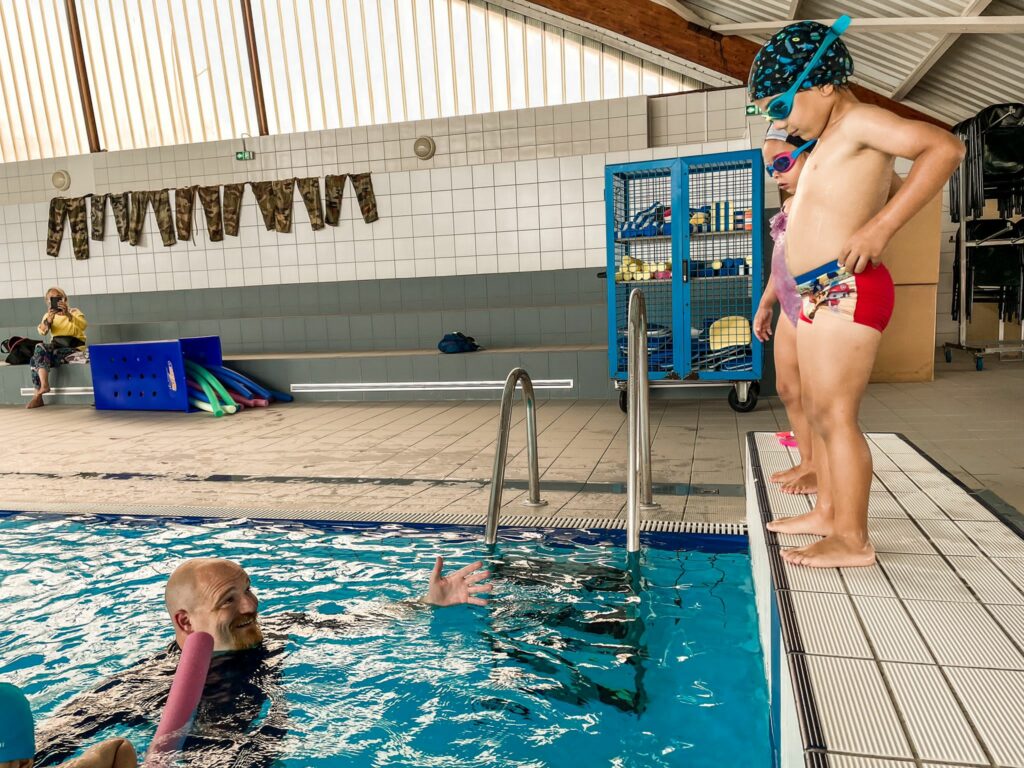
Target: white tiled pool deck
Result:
[[918, 660]]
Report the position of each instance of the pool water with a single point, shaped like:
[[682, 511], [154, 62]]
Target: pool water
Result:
[[571, 664]]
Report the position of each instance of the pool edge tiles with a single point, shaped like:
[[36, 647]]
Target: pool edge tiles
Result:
[[829, 709]]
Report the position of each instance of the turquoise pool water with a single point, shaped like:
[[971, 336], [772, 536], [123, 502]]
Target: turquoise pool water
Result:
[[570, 665]]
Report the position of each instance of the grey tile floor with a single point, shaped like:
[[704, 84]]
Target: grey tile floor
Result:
[[920, 657], [442, 452]]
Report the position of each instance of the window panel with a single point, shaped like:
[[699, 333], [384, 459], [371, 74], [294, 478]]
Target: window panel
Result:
[[176, 71], [535, 79], [573, 71], [517, 61]]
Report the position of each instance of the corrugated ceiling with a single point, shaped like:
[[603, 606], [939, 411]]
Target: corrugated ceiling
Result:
[[975, 70]]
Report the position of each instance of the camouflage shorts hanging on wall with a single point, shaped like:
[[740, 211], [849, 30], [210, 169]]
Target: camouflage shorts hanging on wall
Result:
[[119, 204], [264, 194], [334, 189], [184, 204], [161, 202], [232, 208], [310, 190], [72, 209], [274, 199]]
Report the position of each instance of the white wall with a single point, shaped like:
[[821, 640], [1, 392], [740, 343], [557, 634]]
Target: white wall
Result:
[[505, 192]]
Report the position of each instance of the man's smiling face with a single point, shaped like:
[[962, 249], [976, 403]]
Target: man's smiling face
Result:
[[217, 598]]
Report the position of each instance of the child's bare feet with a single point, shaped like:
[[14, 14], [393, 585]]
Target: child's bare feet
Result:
[[802, 485], [785, 475], [788, 475], [816, 522], [831, 552]]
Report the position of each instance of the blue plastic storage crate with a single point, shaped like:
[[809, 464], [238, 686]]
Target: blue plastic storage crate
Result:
[[148, 375]]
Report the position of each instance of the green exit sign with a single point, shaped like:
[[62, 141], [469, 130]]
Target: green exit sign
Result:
[[751, 109], [245, 154]]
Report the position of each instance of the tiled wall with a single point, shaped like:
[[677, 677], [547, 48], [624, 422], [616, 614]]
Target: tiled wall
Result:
[[507, 192], [699, 116]]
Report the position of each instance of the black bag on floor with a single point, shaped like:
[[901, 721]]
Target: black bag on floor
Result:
[[19, 349]]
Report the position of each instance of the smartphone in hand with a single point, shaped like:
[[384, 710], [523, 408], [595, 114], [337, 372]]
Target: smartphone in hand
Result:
[[54, 302]]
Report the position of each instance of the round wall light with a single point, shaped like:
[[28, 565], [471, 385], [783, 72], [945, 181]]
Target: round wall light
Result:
[[61, 180], [424, 148]]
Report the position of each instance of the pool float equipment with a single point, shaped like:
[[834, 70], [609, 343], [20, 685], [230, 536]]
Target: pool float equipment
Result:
[[186, 691], [245, 381], [206, 396], [219, 390], [17, 731]]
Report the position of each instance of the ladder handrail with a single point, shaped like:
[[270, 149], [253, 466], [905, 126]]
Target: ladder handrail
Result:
[[516, 376], [639, 491]]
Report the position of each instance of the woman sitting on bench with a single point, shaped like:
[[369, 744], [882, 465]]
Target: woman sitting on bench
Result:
[[66, 326]]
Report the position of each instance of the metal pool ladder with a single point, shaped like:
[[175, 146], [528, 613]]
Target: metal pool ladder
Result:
[[639, 492], [516, 376]]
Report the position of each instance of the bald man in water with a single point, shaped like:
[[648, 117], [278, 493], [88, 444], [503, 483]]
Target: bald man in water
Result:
[[242, 693], [215, 596]]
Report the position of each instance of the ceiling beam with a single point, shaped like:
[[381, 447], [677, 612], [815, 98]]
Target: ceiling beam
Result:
[[794, 8], [980, 25], [655, 25], [677, 7], [82, 73], [256, 78], [975, 8]]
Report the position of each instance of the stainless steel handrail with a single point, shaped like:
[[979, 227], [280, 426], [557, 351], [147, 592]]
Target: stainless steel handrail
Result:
[[516, 376], [639, 489]]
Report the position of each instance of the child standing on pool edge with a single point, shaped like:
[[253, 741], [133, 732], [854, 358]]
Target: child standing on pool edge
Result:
[[785, 157], [838, 227]]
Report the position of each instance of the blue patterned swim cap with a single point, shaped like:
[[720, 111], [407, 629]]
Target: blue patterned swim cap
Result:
[[781, 60]]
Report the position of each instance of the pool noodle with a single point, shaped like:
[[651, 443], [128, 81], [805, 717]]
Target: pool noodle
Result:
[[202, 405], [254, 402], [211, 400], [229, 381], [237, 378], [237, 403], [186, 691], [204, 376], [265, 393]]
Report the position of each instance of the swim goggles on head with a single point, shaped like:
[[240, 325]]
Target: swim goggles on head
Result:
[[785, 161], [782, 105]]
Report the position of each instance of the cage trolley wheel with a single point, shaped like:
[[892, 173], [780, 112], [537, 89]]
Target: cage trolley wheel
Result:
[[744, 406]]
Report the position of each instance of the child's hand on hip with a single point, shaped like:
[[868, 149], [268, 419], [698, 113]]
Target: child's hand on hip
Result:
[[763, 323], [864, 247]]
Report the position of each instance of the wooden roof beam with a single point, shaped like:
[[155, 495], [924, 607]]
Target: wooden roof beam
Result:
[[655, 25]]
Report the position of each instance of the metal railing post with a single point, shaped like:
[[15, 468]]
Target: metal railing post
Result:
[[639, 487], [533, 499]]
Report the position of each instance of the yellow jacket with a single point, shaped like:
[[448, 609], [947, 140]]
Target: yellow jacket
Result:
[[73, 324]]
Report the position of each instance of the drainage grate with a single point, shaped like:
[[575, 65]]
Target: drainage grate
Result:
[[434, 518]]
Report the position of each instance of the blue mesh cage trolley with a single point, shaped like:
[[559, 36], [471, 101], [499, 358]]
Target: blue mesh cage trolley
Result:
[[688, 232]]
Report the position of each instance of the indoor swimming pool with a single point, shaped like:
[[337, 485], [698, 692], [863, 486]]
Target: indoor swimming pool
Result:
[[574, 662]]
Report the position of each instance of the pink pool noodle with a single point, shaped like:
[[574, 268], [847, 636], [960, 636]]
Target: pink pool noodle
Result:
[[186, 691], [254, 402]]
